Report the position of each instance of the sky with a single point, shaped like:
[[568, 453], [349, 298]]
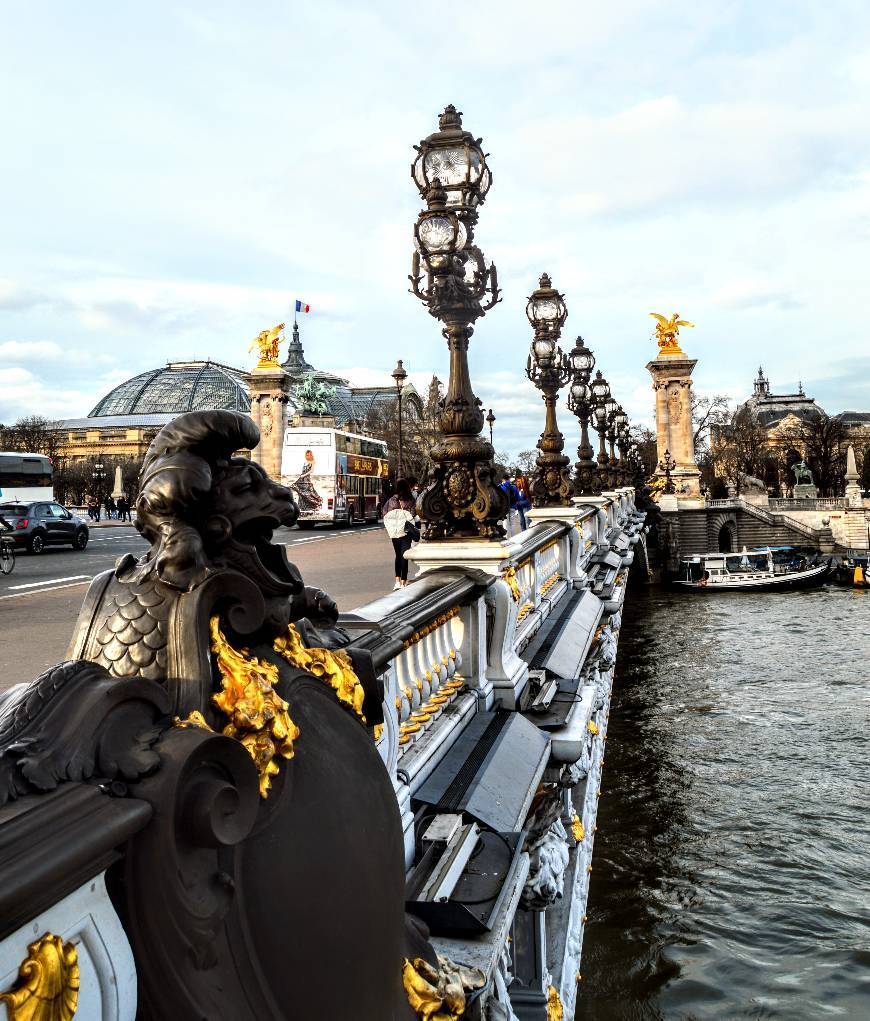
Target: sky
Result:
[[175, 175]]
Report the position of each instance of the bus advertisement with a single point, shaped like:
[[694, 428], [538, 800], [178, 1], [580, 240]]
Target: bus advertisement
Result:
[[25, 477], [335, 476]]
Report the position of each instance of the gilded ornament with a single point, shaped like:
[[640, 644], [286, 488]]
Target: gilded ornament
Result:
[[510, 576], [267, 344], [592, 727], [334, 667], [667, 331], [258, 716], [48, 983], [438, 994], [555, 1010], [577, 828]]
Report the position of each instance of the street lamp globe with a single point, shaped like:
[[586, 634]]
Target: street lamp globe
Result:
[[582, 359], [399, 375], [453, 158], [600, 389], [546, 309], [611, 407], [579, 393], [543, 351]]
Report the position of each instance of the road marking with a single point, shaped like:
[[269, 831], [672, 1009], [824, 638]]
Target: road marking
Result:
[[51, 581], [39, 591]]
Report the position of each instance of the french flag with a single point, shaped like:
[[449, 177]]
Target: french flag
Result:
[[302, 307]]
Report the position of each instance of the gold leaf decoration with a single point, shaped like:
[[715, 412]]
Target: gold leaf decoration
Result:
[[257, 715], [555, 1010], [510, 576], [48, 983], [334, 667], [592, 727], [577, 828], [438, 994]]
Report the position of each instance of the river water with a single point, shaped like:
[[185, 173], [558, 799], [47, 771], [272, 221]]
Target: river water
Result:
[[732, 860]]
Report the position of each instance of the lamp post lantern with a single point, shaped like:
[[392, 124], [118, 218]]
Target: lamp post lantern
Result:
[[600, 397], [580, 403], [450, 276], [490, 421], [666, 466], [549, 369], [399, 376]]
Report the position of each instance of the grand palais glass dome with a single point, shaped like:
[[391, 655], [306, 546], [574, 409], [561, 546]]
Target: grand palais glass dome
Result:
[[175, 388]]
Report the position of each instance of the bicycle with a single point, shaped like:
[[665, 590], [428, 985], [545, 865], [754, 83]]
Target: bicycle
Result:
[[7, 556]]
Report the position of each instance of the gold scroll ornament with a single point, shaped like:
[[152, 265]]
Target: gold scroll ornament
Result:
[[667, 331], [510, 576], [333, 667], [48, 983], [438, 994], [555, 1010], [258, 716]]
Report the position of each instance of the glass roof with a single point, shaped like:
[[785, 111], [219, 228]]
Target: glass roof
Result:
[[175, 388]]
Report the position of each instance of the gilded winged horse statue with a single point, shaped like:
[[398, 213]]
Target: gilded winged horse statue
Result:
[[667, 331]]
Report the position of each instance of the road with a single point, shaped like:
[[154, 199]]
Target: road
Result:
[[40, 600]]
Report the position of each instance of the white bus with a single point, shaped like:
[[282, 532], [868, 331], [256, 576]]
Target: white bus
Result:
[[24, 477], [335, 476]]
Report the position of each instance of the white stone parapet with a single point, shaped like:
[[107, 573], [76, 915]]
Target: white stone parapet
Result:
[[467, 630]]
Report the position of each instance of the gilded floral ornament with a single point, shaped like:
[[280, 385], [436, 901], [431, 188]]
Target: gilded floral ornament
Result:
[[333, 667], [577, 828], [439, 994], [555, 1010], [510, 576], [258, 716], [48, 983], [592, 727]]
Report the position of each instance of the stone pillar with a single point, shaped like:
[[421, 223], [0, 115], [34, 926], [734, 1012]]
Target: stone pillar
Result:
[[672, 382], [853, 488], [268, 390]]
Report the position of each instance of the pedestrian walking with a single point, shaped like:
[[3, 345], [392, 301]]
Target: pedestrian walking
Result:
[[109, 504], [398, 515], [525, 500], [123, 509], [515, 518]]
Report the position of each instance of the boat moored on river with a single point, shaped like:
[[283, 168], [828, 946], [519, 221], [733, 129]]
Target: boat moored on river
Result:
[[772, 568]]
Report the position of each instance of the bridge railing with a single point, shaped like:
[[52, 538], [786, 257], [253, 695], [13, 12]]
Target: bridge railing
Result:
[[819, 503]]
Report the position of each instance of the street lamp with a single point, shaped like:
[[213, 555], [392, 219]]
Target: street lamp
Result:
[[580, 403], [667, 465], [399, 376], [490, 421], [450, 276], [549, 369], [600, 397]]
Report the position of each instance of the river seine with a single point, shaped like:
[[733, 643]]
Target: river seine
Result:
[[732, 860]]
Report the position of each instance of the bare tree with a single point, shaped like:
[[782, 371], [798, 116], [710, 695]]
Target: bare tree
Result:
[[708, 411], [33, 433], [740, 448]]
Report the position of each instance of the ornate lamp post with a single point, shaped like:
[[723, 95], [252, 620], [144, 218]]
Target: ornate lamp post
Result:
[[449, 275], [600, 397], [612, 407], [490, 421], [549, 369], [399, 376], [667, 465], [580, 402], [621, 421]]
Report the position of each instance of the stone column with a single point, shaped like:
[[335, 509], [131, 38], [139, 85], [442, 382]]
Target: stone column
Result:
[[672, 382], [853, 489], [268, 390]]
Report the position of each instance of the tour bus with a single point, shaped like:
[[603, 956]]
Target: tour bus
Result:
[[24, 477], [335, 476]]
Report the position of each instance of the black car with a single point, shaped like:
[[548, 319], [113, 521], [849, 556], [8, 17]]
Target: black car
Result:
[[37, 525]]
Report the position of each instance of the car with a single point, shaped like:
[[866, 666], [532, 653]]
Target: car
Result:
[[43, 523]]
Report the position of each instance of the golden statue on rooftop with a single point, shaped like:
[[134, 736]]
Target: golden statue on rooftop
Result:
[[267, 342], [667, 331]]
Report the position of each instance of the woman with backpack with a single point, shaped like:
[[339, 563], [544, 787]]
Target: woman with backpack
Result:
[[398, 515]]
